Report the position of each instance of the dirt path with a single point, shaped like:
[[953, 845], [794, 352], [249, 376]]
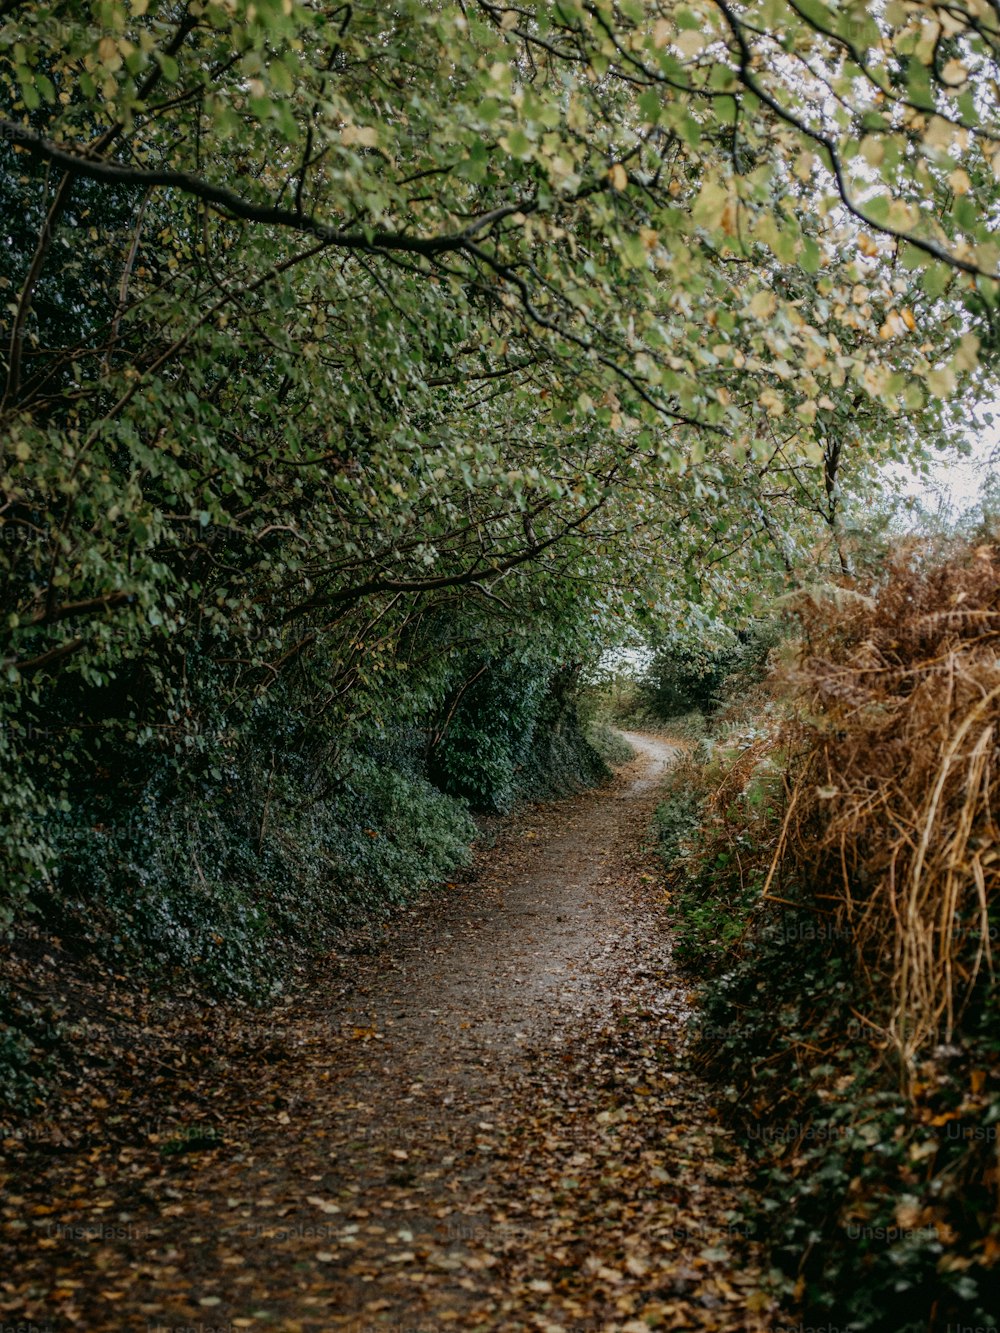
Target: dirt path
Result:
[[485, 1123]]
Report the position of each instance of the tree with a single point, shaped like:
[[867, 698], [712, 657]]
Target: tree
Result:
[[324, 318]]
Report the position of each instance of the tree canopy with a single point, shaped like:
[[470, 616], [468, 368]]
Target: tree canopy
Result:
[[328, 325]]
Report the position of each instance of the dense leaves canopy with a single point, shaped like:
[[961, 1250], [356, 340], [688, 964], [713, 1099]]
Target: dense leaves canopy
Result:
[[340, 337]]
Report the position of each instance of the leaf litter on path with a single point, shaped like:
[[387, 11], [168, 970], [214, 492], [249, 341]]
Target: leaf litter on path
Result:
[[485, 1123]]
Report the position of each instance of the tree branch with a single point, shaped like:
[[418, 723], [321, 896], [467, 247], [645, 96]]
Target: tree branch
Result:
[[473, 576], [80, 161], [829, 145]]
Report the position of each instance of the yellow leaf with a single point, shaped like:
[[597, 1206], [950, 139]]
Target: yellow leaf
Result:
[[894, 326], [967, 356], [691, 41], [941, 134], [618, 176], [941, 382], [711, 205], [902, 215], [959, 181], [366, 136], [929, 34], [662, 32], [107, 49], [763, 305]]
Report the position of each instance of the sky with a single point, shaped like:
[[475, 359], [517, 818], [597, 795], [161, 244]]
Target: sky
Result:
[[957, 482], [954, 486]]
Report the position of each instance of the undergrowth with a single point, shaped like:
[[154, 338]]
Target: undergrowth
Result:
[[609, 743], [219, 882], [220, 871], [871, 1105]]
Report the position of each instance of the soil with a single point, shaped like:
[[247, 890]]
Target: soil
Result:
[[481, 1117]]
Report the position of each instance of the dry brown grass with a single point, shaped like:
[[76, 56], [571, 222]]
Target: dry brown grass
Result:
[[896, 755]]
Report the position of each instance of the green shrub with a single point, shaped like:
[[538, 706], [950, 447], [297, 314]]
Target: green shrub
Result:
[[30, 1032], [562, 758], [691, 726], [609, 743], [516, 733], [876, 1203], [687, 680], [490, 736], [215, 850], [715, 827], [210, 881]]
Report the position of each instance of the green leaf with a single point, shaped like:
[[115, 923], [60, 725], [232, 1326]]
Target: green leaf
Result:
[[935, 278], [169, 66]]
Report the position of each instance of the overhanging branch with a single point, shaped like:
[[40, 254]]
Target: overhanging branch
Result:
[[79, 162]]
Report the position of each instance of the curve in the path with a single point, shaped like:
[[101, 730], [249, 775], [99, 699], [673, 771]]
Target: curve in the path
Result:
[[489, 1124], [525, 952]]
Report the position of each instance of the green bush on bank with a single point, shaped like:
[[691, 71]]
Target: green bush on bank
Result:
[[718, 815], [217, 865], [877, 1204], [219, 881], [687, 682], [609, 743], [517, 735]]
